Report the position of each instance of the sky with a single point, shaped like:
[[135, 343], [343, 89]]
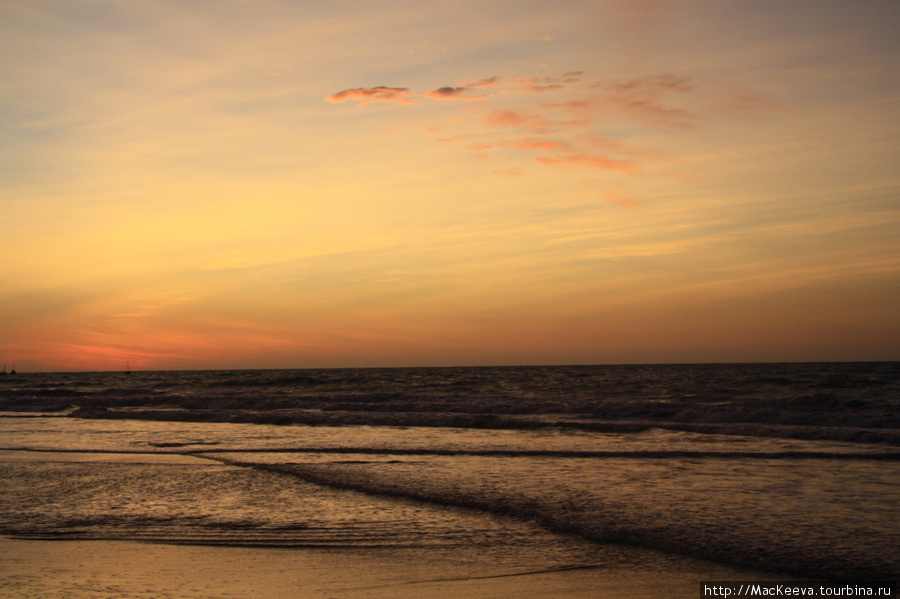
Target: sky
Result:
[[202, 184]]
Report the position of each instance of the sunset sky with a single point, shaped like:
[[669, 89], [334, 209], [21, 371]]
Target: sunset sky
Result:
[[306, 183]]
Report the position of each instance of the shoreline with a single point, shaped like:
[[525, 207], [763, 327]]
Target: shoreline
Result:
[[107, 569], [117, 565]]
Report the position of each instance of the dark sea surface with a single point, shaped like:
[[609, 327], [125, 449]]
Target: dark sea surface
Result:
[[791, 468]]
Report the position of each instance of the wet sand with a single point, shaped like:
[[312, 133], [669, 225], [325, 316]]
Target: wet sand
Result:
[[119, 569]]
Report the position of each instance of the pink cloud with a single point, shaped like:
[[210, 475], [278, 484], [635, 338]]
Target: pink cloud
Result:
[[569, 111], [661, 100], [646, 100], [537, 85], [546, 88], [505, 117], [452, 93], [462, 92], [368, 95], [650, 85], [489, 82]]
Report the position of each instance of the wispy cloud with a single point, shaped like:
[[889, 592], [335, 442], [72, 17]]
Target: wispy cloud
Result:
[[490, 81], [369, 95], [453, 93], [564, 118], [463, 91], [649, 100]]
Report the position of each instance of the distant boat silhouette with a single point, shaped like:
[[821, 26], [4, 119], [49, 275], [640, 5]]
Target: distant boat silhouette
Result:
[[13, 371], [127, 368], [4, 373]]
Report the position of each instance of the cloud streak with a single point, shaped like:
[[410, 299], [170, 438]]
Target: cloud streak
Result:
[[370, 95], [564, 118], [453, 93]]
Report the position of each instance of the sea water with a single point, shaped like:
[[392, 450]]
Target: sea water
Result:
[[791, 468]]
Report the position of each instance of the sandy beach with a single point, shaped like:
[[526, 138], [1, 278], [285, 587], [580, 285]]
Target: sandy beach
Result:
[[117, 569]]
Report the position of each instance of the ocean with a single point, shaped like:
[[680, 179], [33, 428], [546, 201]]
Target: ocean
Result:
[[776, 468]]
